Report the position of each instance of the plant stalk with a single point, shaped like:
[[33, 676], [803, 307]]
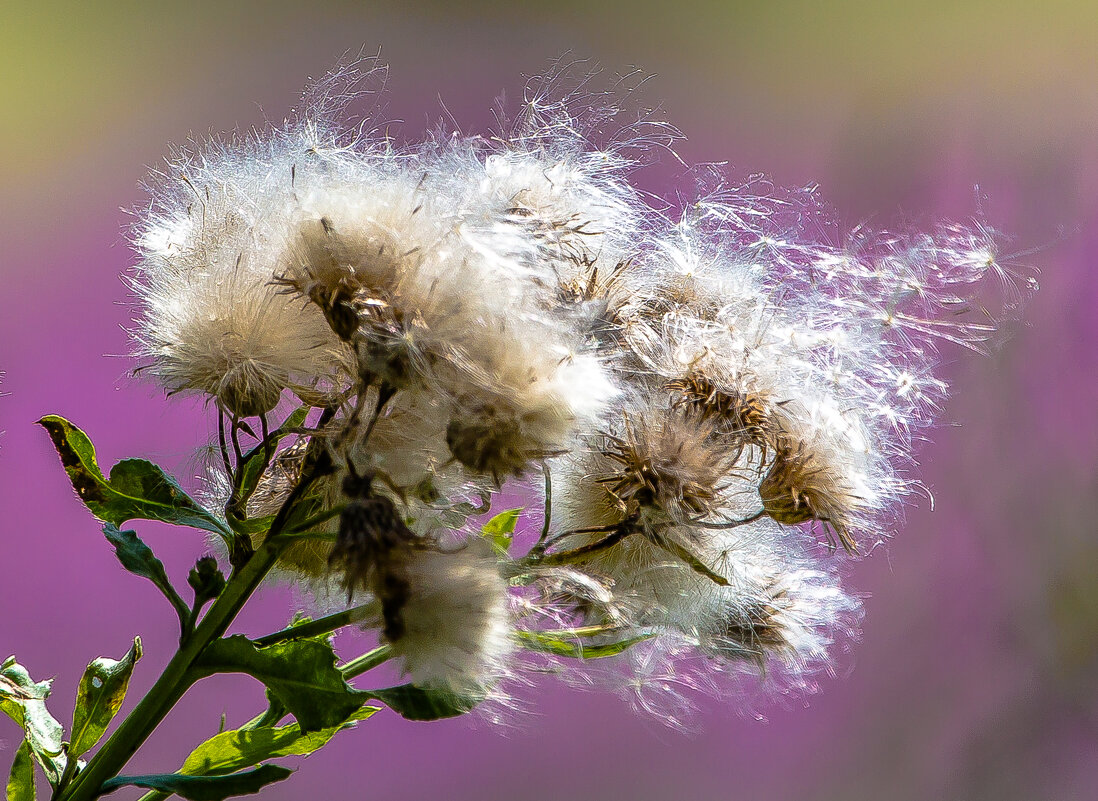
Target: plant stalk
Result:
[[323, 625], [368, 661], [176, 678]]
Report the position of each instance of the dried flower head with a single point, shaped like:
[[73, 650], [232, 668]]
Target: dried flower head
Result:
[[372, 546], [666, 461], [736, 414], [464, 313], [799, 488], [451, 626]]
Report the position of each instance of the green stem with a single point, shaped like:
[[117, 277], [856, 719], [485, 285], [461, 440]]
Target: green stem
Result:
[[323, 625], [188, 624], [368, 661], [538, 558], [322, 517], [316, 536], [547, 513], [271, 716], [66, 775], [176, 678]]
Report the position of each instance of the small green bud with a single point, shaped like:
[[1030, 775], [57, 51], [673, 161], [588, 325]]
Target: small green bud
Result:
[[207, 580]]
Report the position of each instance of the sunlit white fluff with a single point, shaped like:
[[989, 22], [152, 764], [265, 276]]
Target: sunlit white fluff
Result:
[[456, 629], [713, 392], [212, 322]]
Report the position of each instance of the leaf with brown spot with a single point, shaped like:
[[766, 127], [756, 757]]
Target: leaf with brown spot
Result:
[[135, 490]]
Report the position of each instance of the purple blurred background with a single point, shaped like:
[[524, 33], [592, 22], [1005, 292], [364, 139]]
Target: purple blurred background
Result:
[[976, 677]]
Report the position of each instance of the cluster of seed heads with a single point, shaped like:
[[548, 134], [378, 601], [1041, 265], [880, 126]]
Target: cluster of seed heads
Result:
[[714, 399]]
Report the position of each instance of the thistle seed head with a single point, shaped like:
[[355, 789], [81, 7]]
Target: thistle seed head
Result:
[[529, 302], [798, 488], [447, 618], [736, 413], [488, 438], [668, 461], [372, 537]]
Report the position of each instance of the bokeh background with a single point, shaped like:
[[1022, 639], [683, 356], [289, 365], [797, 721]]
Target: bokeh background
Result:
[[977, 675]]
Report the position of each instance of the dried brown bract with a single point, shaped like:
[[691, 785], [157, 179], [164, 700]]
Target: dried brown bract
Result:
[[489, 436], [735, 413], [799, 488], [372, 542], [588, 284], [667, 460]]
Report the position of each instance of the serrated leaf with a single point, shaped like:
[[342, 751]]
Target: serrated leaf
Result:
[[420, 703], [566, 645], [139, 559], [136, 489], [242, 748], [500, 529], [24, 701], [21, 780], [203, 788], [98, 698], [301, 674]]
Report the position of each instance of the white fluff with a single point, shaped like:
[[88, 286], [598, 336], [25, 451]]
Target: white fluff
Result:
[[710, 392], [456, 624]]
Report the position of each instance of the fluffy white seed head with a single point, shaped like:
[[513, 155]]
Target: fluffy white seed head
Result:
[[711, 395], [213, 323], [454, 622]]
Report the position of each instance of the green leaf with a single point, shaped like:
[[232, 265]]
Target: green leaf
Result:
[[203, 788], [419, 703], [242, 748], [21, 781], [252, 465], [24, 701], [98, 698], [301, 674], [564, 644], [296, 418], [139, 559], [500, 529], [136, 489]]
